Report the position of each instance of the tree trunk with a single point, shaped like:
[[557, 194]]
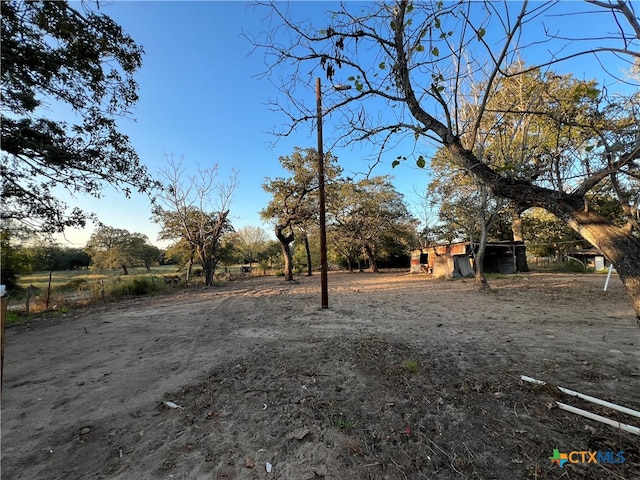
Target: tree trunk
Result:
[[306, 247], [124, 269], [349, 264], [619, 246], [516, 229], [215, 235], [208, 271], [481, 279], [372, 260], [205, 261], [288, 261], [285, 244], [516, 225], [189, 268]]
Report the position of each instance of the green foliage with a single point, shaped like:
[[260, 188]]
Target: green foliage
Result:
[[270, 254], [295, 200], [117, 248], [300, 252], [249, 243], [549, 235], [530, 135], [13, 260], [466, 207], [343, 423], [41, 256], [61, 280], [411, 366], [572, 266], [137, 286], [14, 317], [608, 205], [522, 133], [80, 287], [370, 215], [53, 53]]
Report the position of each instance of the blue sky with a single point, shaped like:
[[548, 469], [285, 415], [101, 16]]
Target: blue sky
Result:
[[202, 98]]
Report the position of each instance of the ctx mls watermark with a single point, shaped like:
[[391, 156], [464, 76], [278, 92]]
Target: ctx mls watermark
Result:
[[587, 456]]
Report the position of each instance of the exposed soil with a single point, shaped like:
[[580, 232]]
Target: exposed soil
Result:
[[403, 377]]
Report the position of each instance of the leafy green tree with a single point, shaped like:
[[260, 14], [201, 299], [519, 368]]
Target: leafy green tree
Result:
[[198, 236], [55, 54], [365, 214], [118, 248], [269, 255], [227, 253], [14, 260], [181, 253], [549, 236], [307, 251], [44, 255], [421, 61], [150, 255], [294, 200]]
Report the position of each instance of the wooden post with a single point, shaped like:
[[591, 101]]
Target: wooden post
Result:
[[3, 315], [48, 291], [28, 299]]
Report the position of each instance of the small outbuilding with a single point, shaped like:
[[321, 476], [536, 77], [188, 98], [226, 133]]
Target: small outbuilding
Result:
[[456, 259], [590, 258]]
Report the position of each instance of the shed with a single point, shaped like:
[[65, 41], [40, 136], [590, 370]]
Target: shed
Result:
[[455, 260], [590, 257]]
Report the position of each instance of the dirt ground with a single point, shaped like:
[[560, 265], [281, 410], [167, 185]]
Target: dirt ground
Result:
[[403, 377]]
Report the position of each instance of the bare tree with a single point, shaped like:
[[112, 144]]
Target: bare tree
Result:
[[194, 209], [423, 60]]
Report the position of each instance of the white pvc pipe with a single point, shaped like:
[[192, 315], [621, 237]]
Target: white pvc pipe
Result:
[[606, 283], [588, 398], [599, 418]]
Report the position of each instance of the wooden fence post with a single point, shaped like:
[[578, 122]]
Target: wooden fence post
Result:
[[3, 316], [26, 308], [48, 291]]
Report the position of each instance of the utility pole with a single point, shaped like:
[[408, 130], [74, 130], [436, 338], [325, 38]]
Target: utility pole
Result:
[[323, 213]]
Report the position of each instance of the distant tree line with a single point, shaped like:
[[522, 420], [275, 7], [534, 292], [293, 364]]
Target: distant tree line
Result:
[[17, 259]]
